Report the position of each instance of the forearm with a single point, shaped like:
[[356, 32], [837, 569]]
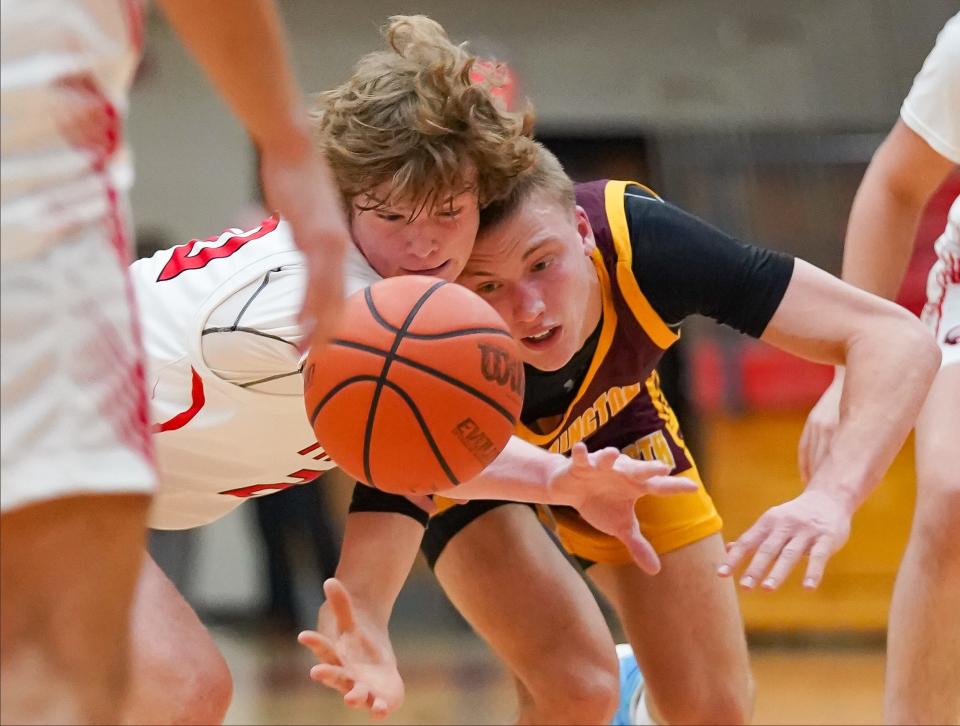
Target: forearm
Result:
[[241, 46], [521, 473], [903, 174], [376, 555], [888, 371], [880, 236]]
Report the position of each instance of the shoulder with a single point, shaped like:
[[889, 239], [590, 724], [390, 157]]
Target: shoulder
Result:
[[932, 108]]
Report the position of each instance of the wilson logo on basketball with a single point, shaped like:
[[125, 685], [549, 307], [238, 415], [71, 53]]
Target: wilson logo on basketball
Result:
[[476, 442], [498, 366]]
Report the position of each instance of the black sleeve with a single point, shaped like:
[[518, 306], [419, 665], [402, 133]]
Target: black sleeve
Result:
[[368, 499], [684, 266]]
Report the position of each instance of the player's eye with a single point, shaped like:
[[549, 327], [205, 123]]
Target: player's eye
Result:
[[541, 265], [390, 216], [450, 213], [487, 288]]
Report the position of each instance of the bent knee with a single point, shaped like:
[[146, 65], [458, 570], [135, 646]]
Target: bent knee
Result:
[[208, 697], [190, 686], [719, 702], [575, 695], [937, 517]]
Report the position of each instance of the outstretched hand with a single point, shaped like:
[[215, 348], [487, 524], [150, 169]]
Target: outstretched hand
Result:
[[603, 486], [814, 524], [357, 662]]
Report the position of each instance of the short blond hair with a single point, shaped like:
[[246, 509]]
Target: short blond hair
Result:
[[546, 177], [412, 115]]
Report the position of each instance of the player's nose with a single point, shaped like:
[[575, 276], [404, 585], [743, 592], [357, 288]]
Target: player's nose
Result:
[[421, 245], [528, 303]]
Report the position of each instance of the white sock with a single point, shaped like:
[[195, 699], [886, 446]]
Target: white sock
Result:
[[639, 713]]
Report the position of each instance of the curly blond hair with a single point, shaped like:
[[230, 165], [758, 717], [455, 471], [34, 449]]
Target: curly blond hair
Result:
[[412, 115]]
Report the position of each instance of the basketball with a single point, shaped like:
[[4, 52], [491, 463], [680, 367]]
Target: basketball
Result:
[[420, 388]]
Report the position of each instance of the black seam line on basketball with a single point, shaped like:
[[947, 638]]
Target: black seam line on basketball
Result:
[[270, 378], [426, 336], [433, 372], [334, 391], [457, 333], [266, 279], [413, 408], [425, 430], [398, 338], [368, 297], [248, 330]]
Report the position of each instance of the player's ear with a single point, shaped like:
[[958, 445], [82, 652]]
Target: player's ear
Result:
[[585, 230]]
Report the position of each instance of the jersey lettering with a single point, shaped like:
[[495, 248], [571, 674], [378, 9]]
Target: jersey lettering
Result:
[[196, 253], [304, 475]]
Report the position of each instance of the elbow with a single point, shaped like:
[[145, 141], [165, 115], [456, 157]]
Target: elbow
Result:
[[924, 352]]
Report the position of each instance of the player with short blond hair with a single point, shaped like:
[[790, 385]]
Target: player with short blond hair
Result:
[[594, 289]]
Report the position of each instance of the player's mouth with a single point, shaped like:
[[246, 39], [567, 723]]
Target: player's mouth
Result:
[[437, 271], [544, 339]]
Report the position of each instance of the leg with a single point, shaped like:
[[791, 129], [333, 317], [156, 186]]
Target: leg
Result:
[[511, 582], [923, 642], [68, 568], [685, 628], [178, 675]]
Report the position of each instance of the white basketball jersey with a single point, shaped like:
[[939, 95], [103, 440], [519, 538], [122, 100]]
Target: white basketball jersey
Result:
[[66, 70], [223, 370]]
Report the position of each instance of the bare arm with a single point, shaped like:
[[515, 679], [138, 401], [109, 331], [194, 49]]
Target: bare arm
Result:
[[603, 486], [891, 361], [903, 174], [901, 178], [240, 45], [352, 641]]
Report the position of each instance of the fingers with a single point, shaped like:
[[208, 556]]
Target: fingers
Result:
[[791, 553], [747, 543], [768, 550], [821, 551], [641, 470], [579, 456], [335, 677], [320, 646], [358, 696], [606, 458], [379, 709], [340, 603], [641, 550], [665, 485]]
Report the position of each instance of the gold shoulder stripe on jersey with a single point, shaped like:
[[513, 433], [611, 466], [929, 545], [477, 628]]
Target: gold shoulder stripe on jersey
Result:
[[659, 332]]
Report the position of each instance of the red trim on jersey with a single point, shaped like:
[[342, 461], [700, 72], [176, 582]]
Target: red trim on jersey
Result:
[[197, 399], [181, 258], [134, 12], [304, 475]]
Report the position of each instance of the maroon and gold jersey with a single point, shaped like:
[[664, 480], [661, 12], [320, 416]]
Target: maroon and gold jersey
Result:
[[619, 402]]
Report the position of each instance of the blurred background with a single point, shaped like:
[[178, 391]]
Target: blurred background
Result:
[[760, 116]]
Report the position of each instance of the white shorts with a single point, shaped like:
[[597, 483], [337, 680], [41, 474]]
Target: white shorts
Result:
[[942, 310], [73, 400]]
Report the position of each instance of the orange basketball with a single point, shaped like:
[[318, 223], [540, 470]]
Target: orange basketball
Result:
[[420, 388]]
